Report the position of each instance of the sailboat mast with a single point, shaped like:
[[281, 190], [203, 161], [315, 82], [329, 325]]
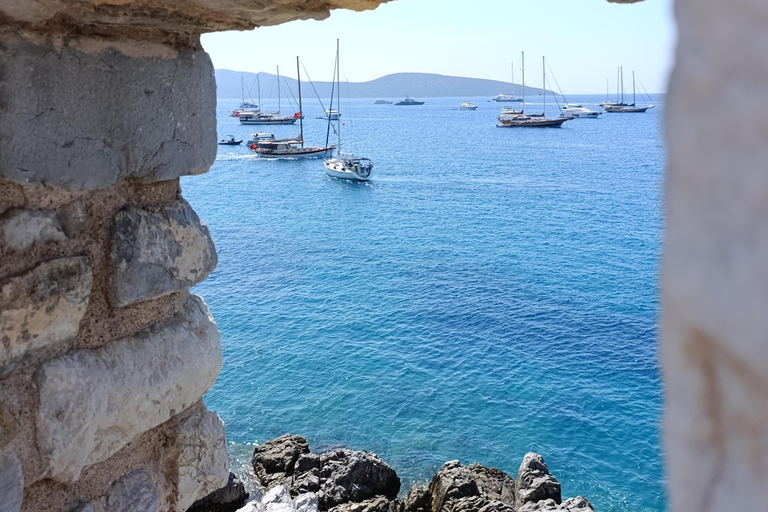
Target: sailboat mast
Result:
[[278, 91], [338, 96], [621, 68], [301, 114], [242, 88], [633, 89], [258, 88], [544, 84], [522, 57]]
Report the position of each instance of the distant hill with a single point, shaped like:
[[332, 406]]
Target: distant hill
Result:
[[396, 85]]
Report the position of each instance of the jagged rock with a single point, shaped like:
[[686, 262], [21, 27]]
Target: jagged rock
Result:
[[418, 500], [341, 476], [227, 499], [134, 492], [275, 460], [453, 482], [577, 504], [377, 504], [534, 482], [476, 504], [278, 499], [306, 502]]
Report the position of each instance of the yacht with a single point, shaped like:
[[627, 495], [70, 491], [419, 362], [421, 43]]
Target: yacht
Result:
[[510, 111], [331, 114], [230, 141], [266, 118], [409, 101], [506, 98], [576, 110], [467, 106], [382, 102]]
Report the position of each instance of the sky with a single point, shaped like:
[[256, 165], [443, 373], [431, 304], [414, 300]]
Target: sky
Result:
[[584, 42]]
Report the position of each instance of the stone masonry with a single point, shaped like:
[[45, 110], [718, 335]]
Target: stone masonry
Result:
[[104, 353]]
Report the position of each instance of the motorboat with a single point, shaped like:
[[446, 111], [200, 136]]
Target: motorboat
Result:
[[510, 111], [408, 101], [230, 141], [382, 102], [331, 114], [576, 110], [467, 106], [345, 166], [507, 98]]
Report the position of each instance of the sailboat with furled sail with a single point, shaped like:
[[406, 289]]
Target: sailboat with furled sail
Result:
[[259, 117], [345, 166], [624, 108], [522, 120], [294, 148]]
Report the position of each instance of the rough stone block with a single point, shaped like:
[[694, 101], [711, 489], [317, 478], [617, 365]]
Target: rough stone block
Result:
[[83, 507], [11, 483], [135, 492], [105, 111], [20, 229], [155, 254], [7, 427], [93, 402], [42, 307], [203, 461]]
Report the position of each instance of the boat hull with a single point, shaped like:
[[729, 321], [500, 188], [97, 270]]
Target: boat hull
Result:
[[335, 169], [292, 153], [282, 120], [533, 123], [626, 110]]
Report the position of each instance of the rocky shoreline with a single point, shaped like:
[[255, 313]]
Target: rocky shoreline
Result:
[[293, 479]]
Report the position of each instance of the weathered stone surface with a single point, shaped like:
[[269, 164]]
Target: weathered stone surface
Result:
[[577, 504], [476, 504], [274, 460], [481, 486], [306, 502], [377, 504], [187, 16], [83, 507], [418, 500], [42, 307], [20, 229], [534, 481], [155, 254], [341, 476], [93, 402], [203, 461], [227, 499], [135, 492], [11, 483], [146, 113], [7, 427]]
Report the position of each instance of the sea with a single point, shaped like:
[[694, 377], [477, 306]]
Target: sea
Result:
[[489, 292]]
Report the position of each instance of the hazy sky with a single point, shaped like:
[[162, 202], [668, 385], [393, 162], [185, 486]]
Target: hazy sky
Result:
[[583, 40]]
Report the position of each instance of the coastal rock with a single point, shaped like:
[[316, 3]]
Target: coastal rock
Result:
[[341, 476], [278, 499], [377, 504], [227, 499], [11, 483], [577, 504], [488, 487], [534, 482], [275, 460], [418, 500], [20, 229]]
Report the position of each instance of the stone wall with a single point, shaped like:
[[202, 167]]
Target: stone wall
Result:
[[104, 353]]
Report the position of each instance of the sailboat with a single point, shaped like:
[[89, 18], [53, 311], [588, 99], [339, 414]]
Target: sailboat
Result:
[[346, 166], [523, 120], [245, 106], [260, 117], [622, 107], [293, 148]]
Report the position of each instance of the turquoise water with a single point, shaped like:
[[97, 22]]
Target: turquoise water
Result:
[[490, 292]]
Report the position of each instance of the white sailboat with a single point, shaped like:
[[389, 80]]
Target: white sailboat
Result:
[[259, 117], [625, 108], [346, 166]]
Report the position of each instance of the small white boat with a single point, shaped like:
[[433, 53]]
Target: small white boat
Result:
[[331, 114], [510, 111], [507, 98], [347, 167], [576, 110], [467, 106]]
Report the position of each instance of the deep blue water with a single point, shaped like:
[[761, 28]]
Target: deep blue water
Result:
[[490, 292]]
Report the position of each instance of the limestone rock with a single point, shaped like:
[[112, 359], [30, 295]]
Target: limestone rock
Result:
[[93, 402], [377, 504], [203, 461], [483, 487], [146, 114], [155, 254], [83, 507], [306, 502], [534, 481], [418, 500], [274, 460], [341, 476], [20, 229], [577, 504], [227, 499], [134, 492], [42, 307], [11, 483]]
